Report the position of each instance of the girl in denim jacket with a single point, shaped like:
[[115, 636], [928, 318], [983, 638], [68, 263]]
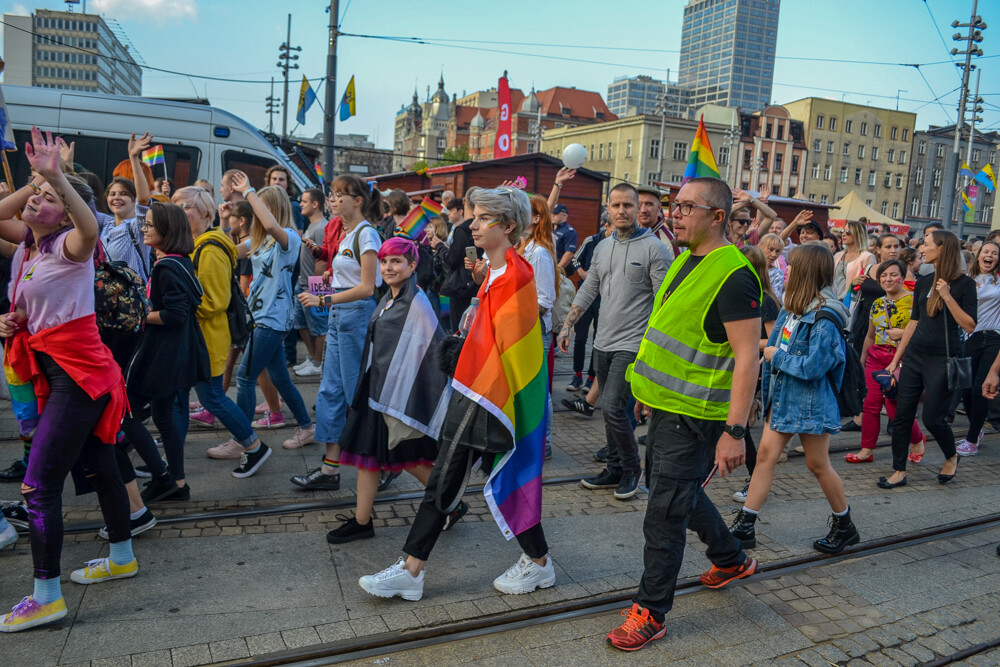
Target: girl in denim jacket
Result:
[[802, 371]]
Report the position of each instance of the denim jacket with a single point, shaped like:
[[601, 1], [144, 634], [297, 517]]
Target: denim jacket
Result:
[[796, 384]]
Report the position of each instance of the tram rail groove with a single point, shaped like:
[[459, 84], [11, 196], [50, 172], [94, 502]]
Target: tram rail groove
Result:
[[964, 654], [388, 643]]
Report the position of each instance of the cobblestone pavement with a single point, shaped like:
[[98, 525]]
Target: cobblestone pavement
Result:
[[220, 590]]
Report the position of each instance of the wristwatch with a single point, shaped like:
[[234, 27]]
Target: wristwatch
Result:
[[736, 430]]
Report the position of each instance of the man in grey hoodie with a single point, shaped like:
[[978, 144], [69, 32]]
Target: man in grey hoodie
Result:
[[626, 271]]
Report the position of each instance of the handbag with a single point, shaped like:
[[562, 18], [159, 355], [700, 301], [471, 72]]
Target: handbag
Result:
[[959, 369]]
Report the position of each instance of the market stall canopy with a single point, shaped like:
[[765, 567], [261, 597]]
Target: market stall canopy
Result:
[[852, 207]]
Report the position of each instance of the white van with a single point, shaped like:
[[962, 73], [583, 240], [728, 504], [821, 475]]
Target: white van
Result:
[[198, 141]]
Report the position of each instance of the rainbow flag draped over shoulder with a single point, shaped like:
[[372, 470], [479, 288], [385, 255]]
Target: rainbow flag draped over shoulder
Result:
[[416, 220], [701, 161], [502, 368]]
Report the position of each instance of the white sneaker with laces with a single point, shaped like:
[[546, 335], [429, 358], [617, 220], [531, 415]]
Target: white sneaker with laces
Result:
[[392, 581], [8, 536], [525, 576], [301, 437], [741, 495], [312, 370], [230, 449], [305, 363]]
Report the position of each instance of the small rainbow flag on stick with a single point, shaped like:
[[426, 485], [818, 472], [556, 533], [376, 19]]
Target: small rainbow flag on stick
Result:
[[701, 162], [154, 156], [416, 220]]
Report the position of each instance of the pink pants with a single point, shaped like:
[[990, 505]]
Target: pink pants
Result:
[[879, 357]]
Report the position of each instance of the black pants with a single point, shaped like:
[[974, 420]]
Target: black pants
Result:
[[922, 374], [429, 521], [164, 416], [680, 445], [581, 332], [983, 347]]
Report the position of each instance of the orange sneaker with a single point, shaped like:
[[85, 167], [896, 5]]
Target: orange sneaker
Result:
[[638, 630], [718, 577]]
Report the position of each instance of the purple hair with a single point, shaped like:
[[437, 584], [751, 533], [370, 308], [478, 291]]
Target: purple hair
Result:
[[400, 245]]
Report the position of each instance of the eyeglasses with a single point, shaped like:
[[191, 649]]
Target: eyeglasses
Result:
[[686, 208], [741, 221], [146, 225]]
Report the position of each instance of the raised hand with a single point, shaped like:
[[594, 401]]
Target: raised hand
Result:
[[802, 218], [43, 154], [240, 182], [66, 152], [137, 146], [765, 194], [564, 175]]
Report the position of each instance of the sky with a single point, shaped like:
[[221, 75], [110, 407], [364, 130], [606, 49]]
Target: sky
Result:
[[583, 43]]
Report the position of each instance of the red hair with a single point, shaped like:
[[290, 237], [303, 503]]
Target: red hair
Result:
[[124, 169]]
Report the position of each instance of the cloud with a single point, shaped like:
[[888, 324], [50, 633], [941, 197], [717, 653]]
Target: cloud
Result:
[[20, 10], [157, 11]]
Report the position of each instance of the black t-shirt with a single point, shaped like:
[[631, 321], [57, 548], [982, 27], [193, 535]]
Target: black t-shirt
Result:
[[769, 311], [928, 337], [739, 299]]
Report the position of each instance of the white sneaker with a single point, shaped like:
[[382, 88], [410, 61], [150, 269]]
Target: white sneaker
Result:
[[525, 576], [741, 495], [305, 363], [393, 581], [300, 437], [230, 449], [311, 370], [8, 536]]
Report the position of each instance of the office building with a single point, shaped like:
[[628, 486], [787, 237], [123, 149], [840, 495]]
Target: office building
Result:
[[70, 51], [727, 52], [630, 96]]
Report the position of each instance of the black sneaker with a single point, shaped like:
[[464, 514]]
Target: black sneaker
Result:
[[350, 530], [386, 478], [601, 455], [138, 526], [575, 384], [15, 473], [580, 406], [316, 480], [455, 516], [605, 480], [250, 462], [157, 489], [180, 493], [588, 385], [16, 514], [642, 440], [628, 486]]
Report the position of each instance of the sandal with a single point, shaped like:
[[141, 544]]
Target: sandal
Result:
[[917, 457], [854, 458]]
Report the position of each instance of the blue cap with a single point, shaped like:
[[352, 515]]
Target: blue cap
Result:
[[560, 208]]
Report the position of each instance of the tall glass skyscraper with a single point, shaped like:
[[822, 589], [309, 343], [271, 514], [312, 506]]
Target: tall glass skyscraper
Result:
[[727, 52]]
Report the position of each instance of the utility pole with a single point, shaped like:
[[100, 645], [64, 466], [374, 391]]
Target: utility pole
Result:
[[285, 59], [663, 127], [730, 141], [331, 90], [272, 108], [974, 37], [976, 101]]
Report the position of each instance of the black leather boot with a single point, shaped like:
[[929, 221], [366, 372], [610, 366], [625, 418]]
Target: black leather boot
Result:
[[743, 529], [843, 533]]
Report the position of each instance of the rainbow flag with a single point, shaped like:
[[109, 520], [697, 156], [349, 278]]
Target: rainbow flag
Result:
[[23, 402], [701, 161], [416, 220], [502, 368], [153, 156], [319, 172]]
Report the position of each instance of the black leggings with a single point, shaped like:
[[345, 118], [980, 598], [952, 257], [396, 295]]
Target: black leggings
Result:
[[983, 347], [922, 374]]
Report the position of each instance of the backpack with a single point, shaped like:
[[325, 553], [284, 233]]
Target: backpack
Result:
[[120, 300], [238, 313], [853, 389], [380, 290]]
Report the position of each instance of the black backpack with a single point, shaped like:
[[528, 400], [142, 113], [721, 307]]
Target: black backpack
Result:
[[853, 389], [238, 313]]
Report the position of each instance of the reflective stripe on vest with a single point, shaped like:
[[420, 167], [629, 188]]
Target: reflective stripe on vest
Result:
[[678, 369]]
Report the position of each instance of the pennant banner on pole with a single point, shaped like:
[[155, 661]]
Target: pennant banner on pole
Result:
[[347, 108], [502, 147], [306, 98], [986, 177]]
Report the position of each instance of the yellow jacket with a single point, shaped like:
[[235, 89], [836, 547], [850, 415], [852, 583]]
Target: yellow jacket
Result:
[[215, 272]]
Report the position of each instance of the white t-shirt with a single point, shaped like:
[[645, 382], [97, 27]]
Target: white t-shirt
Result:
[[988, 293], [494, 274], [545, 279], [787, 329], [346, 267]]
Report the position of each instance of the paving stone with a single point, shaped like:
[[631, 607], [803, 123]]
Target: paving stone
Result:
[[119, 661], [901, 657], [152, 659], [302, 637], [400, 620], [189, 656], [267, 643], [372, 625], [832, 653], [229, 649]]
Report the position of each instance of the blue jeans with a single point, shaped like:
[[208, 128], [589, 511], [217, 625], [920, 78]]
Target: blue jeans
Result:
[[214, 399], [345, 340], [268, 353]]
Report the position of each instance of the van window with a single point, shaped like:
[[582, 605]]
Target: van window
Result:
[[254, 166]]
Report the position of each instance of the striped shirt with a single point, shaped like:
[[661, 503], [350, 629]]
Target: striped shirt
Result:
[[123, 243]]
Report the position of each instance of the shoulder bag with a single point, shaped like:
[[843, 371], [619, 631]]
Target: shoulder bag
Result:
[[959, 369]]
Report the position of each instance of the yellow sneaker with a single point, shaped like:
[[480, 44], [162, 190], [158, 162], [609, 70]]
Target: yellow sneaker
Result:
[[28, 613], [104, 569]]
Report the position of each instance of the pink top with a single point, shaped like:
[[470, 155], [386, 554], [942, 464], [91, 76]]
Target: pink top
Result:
[[52, 288]]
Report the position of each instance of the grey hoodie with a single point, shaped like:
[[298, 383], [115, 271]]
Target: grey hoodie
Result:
[[829, 296], [626, 275]]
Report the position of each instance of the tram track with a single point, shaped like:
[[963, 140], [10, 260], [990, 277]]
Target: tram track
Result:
[[395, 642]]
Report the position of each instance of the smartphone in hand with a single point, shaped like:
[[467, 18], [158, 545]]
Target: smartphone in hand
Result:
[[470, 254]]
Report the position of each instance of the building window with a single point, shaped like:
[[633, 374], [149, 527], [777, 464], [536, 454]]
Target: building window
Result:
[[815, 171], [765, 161], [819, 122], [915, 206], [843, 174], [936, 178], [833, 123], [892, 155], [932, 209], [746, 158], [440, 143], [902, 157], [868, 202], [976, 154], [918, 176], [654, 148], [650, 177], [878, 131], [871, 178], [848, 126], [885, 207], [795, 164], [781, 131], [892, 132], [610, 145], [899, 181], [906, 134], [847, 148], [921, 147], [895, 209], [822, 199], [812, 197], [600, 151], [887, 181], [628, 150], [723, 154], [826, 172], [939, 150], [829, 147], [857, 176], [861, 152], [864, 129], [680, 150], [874, 152], [593, 153], [626, 177], [777, 161], [531, 146], [816, 145], [767, 130]]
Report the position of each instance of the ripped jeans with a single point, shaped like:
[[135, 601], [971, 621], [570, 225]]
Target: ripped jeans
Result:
[[64, 435]]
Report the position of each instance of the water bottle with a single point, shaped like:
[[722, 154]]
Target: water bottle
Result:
[[468, 316]]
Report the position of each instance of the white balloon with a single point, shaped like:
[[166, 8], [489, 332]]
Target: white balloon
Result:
[[573, 156]]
